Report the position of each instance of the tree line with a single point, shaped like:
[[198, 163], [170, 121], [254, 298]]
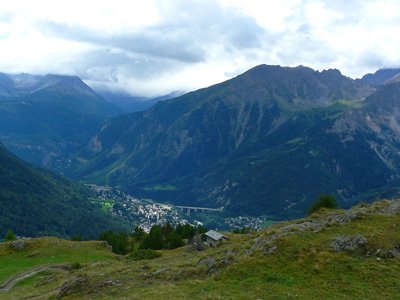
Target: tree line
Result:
[[160, 237]]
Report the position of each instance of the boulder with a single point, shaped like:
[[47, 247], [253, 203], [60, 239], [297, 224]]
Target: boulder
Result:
[[348, 242]]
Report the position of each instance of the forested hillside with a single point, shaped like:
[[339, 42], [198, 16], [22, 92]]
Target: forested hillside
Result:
[[37, 202]]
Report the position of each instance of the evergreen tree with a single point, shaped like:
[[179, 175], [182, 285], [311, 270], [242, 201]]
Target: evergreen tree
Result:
[[167, 229], [155, 239], [118, 242], [138, 233], [201, 229], [326, 200], [244, 230], [179, 229], [175, 240], [188, 231], [10, 236]]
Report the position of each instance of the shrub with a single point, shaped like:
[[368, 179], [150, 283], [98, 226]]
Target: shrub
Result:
[[77, 238], [327, 201], [75, 266], [144, 254]]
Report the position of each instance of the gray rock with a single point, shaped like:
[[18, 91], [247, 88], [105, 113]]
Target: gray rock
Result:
[[392, 208], [209, 261], [159, 271], [348, 243], [393, 253], [73, 286], [106, 245], [19, 244]]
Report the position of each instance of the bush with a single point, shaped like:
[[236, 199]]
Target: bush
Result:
[[77, 238], [75, 266], [327, 201], [144, 254]]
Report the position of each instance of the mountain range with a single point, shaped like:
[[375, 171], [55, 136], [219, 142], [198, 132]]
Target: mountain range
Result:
[[382, 76], [44, 118], [266, 142]]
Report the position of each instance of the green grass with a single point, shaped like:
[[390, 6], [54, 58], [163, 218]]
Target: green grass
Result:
[[303, 266], [44, 251], [352, 103], [106, 206], [296, 140], [267, 223]]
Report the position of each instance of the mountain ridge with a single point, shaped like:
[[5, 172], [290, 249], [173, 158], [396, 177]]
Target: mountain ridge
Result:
[[218, 145], [381, 76], [45, 118]]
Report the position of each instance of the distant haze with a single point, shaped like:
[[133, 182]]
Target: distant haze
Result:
[[150, 48]]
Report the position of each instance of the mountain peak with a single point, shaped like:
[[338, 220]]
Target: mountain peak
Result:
[[381, 77], [17, 85], [299, 88]]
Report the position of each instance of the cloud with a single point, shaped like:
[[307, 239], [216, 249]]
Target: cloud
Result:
[[153, 47], [186, 34]]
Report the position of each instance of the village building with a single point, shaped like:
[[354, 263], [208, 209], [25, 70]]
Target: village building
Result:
[[213, 237]]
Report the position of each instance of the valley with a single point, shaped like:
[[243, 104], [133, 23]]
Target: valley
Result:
[[267, 142], [262, 145], [145, 213], [256, 151], [200, 150]]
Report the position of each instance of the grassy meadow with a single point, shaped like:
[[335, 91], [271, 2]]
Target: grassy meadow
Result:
[[289, 260]]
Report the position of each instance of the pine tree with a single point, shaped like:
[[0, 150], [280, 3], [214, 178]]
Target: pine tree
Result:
[[10, 236]]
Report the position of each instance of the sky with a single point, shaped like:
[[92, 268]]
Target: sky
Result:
[[152, 47]]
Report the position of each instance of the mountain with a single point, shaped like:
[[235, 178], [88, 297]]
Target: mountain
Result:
[[37, 202], [381, 77], [44, 118], [130, 103], [267, 142]]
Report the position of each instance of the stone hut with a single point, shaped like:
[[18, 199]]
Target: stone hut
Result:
[[213, 237]]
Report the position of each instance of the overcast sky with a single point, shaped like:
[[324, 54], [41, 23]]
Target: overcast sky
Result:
[[153, 47]]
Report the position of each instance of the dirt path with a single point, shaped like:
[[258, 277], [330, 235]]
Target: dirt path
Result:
[[10, 282]]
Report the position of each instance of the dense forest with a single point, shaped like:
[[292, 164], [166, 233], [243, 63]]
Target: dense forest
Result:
[[37, 202]]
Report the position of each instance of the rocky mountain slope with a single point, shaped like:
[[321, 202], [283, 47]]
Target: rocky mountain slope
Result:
[[37, 202], [381, 77], [266, 142], [44, 118]]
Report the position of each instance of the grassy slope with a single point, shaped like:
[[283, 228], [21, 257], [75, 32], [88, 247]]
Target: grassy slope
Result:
[[49, 251], [303, 265]]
